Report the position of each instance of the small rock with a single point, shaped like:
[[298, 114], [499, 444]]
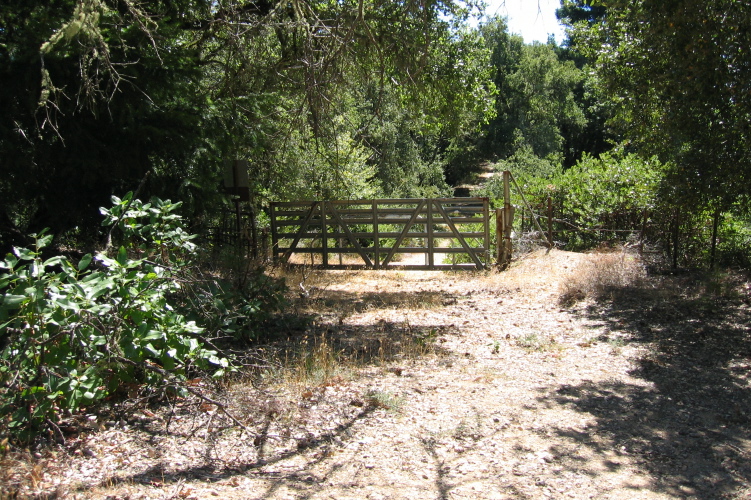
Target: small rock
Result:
[[544, 456]]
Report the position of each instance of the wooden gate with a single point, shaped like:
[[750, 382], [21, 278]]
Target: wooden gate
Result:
[[450, 233]]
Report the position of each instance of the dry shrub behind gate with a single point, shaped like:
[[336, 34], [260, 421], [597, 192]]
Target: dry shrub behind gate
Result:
[[599, 275]]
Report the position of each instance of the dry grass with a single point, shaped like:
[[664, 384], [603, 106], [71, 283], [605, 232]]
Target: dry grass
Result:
[[534, 342], [385, 400], [599, 275], [314, 364], [23, 471]]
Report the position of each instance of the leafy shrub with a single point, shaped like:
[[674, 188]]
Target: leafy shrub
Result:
[[599, 199], [605, 194], [734, 246], [240, 309], [526, 165], [72, 333]]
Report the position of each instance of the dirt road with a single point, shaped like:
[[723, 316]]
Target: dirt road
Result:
[[475, 385]]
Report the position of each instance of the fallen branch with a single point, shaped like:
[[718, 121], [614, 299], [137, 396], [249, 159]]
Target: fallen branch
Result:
[[173, 379]]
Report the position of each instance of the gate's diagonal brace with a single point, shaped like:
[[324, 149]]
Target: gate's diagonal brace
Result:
[[403, 233], [300, 232], [534, 216], [350, 236], [458, 235]]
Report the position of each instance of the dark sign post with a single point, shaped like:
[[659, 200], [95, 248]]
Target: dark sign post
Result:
[[236, 180], [236, 184]]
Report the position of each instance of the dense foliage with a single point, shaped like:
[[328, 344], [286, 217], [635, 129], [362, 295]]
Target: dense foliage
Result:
[[74, 333], [325, 99], [91, 100], [608, 198], [678, 73], [675, 76], [536, 105]]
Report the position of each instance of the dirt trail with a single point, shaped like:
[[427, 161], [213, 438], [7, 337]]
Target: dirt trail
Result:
[[466, 385]]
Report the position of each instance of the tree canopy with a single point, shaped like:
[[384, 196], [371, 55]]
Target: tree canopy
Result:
[[98, 93], [539, 104], [677, 74]]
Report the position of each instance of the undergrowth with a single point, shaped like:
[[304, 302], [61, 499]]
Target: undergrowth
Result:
[[599, 275], [72, 334]]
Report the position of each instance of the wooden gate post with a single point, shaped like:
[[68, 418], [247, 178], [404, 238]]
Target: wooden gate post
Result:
[[376, 237], [324, 235], [500, 235], [429, 243], [505, 224]]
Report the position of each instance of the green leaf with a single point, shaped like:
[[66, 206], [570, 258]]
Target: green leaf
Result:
[[44, 241], [100, 289], [13, 301], [9, 262], [106, 262], [54, 261], [98, 340], [100, 309], [122, 256], [84, 262], [24, 253], [153, 335], [216, 360], [68, 304], [152, 350]]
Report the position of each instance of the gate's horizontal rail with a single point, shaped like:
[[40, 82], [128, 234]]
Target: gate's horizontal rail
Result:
[[378, 230], [384, 234], [370, 250]]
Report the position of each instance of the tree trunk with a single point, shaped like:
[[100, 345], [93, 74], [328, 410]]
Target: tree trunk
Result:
[[715, 226], [676, 235]]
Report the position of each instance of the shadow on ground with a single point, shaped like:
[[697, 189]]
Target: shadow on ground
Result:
[[687, 424], [385, 337], [302, 339], [211, 471]]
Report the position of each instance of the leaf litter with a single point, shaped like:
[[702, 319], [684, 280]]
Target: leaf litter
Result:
[[451, 385]]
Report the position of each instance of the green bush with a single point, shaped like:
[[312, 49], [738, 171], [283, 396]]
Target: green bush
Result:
[[70, 334], [240, 309], [609, 192]]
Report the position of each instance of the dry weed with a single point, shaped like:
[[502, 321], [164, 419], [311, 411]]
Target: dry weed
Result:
[[313, 364], [534, 342], [385, 400], [599, 275]]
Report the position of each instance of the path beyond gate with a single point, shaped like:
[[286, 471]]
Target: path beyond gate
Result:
[[450, 233]]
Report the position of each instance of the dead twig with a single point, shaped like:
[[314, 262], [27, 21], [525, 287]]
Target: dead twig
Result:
[[169, 376]]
